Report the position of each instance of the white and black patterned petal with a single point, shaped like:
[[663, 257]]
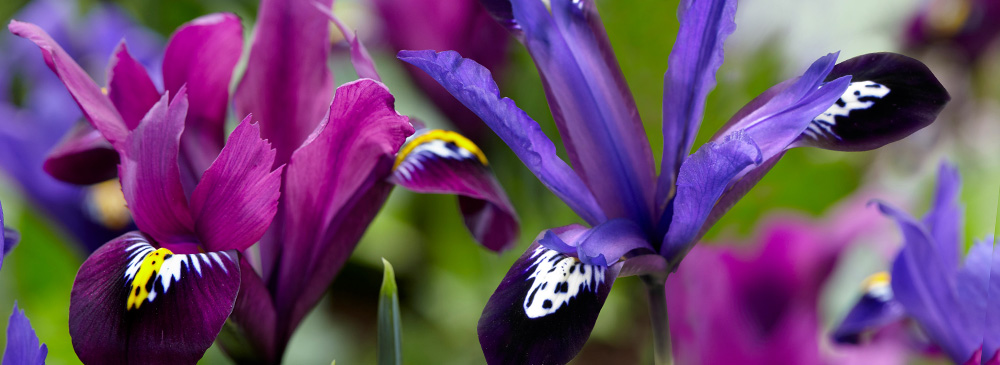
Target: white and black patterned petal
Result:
[[545, 308], [134, 303], [890, 97]]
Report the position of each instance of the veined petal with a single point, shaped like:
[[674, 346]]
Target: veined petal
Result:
[[287, 84], [694, 60], [472, 84], [237, 197], [202, 54], [150, 177], [592, 105], [922, 283], [702, 179], [96, 106], [544, 309], [134, 303], [22, 343], [944, 219], [445, 162], [83, 157], [876, 308], [890, 97], [129, 87], [334, 186]]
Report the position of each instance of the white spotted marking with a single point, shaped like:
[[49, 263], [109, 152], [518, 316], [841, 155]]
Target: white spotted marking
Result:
[[859, 96], [557, 279]]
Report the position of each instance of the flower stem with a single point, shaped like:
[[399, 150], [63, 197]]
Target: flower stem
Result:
[[657, 296]]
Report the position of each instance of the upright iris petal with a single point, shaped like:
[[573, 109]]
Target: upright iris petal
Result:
[[22, 343]]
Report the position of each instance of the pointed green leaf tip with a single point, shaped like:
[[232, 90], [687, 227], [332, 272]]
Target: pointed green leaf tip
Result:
[[389, 324]]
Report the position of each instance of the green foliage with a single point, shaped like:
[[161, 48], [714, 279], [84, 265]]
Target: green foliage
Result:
[[389, 331]]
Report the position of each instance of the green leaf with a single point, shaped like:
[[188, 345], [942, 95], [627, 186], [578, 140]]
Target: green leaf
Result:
[[389, 324]]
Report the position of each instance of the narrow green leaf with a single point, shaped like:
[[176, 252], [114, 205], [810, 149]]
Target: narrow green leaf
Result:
[[389, 325]]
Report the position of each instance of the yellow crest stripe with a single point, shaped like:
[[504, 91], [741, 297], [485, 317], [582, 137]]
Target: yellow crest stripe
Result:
[[443, 135]]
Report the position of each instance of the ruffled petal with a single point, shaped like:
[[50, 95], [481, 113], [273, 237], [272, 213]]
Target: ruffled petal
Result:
[[237, 197], [96, 106], [22, 343], [702, 179], [472, 84], [202, 55], [694, 60], [83, 157], [544, 309], [133, 303], [591, 104], [890, 97], [922, 283], [150, 176], [445, 162], [875, 309], [129, 87], [334, 186], [287, 84]]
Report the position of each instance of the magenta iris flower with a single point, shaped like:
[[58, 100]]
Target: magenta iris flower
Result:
[[545, 308], [949, 298], [34, 125], [761, 301]]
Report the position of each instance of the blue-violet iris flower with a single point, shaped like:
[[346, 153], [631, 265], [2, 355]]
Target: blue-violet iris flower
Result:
[[950, 299], [545, 308], [22, 343]]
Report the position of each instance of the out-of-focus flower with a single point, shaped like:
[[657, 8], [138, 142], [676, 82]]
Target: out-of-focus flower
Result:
[[200, 54], [950, 302], [967, 27], [459, 25], [545, 308], [22, 343], [761, 302], [35, 118]]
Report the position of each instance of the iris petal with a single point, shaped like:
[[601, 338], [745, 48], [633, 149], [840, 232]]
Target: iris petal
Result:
[[876, 308], [180, 306], [22, 343], [444, 162], [83, 157]]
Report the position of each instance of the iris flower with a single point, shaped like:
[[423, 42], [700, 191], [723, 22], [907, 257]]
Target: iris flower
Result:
[[22, 343], [639, 223], [459, 25], [342, 160], [761, 301], [33, 125], [951, 301], [144, 297]]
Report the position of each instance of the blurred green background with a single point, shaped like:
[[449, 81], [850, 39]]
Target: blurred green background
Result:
[[445, 278]]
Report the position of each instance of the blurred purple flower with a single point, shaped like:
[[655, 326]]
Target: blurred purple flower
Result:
[[546, 306], [35, 121], [463, 26], [950, 302], [967, 27], [761, 302], [342, 159], [22, 343]]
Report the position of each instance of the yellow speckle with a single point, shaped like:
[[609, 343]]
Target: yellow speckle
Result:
[[106, 205], [145, 278], [104, 90], [440, 134], [876, 280]]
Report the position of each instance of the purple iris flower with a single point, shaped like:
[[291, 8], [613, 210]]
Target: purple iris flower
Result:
[[545, 308], [460, 25], [342, 160], [968, 28], [760, 301], [949, 298], [22, 343], [33, 125]]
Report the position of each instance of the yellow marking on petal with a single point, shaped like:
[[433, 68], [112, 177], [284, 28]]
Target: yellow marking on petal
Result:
[[440, 134], [106, 205], [876, 280], [145, 278], [104, 90]]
